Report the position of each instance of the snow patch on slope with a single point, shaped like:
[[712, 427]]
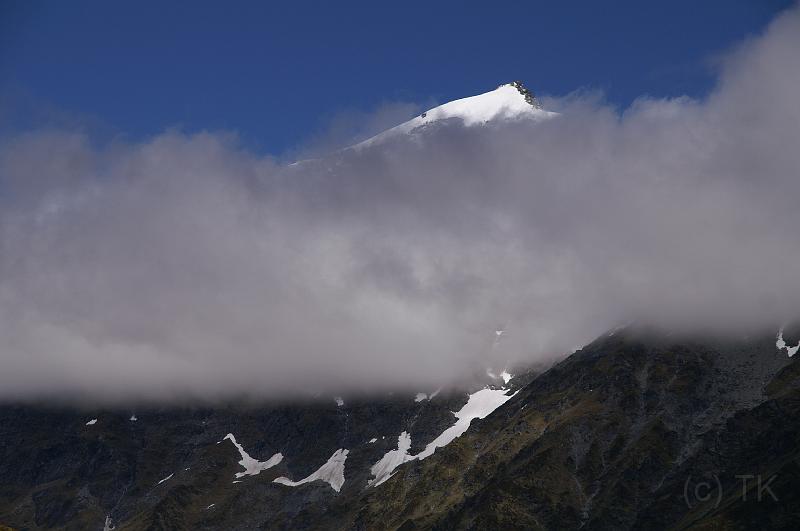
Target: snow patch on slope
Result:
[[252, 467], [781, 344], [332, 473], [505, 375], [479, 405], [384, 469]]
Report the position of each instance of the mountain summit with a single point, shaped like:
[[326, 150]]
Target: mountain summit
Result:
[[509, 101]]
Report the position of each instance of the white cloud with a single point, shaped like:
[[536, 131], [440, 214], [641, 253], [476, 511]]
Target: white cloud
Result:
[[184, 266]]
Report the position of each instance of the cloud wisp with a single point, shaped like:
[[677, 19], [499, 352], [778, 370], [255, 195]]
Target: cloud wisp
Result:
[[185, 266]]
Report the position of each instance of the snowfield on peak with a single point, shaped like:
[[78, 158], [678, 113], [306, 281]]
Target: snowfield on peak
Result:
[[505, 102]]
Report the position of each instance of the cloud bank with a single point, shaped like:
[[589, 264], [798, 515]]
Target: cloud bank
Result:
[[185, 266]]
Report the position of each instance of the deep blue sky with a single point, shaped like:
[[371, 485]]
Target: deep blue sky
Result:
[[276, 71]]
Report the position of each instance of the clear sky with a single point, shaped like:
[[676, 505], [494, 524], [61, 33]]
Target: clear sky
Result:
[[276, 72]]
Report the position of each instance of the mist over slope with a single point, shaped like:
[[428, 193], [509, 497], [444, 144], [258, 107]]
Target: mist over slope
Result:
[[186, 266]]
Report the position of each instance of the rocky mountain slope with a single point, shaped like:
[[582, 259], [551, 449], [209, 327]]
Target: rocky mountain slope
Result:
[[218, 467], [638, 430]]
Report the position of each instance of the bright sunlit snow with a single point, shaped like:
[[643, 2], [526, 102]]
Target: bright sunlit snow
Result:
[[503, 102], [331, 472], [92, 422], [165, 479], [252, 467]]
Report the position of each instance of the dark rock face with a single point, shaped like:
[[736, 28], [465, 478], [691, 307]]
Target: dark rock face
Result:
[[639, 430], [527, 94]]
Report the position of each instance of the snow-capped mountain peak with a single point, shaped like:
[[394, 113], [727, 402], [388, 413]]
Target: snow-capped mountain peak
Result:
[[508, 101]]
